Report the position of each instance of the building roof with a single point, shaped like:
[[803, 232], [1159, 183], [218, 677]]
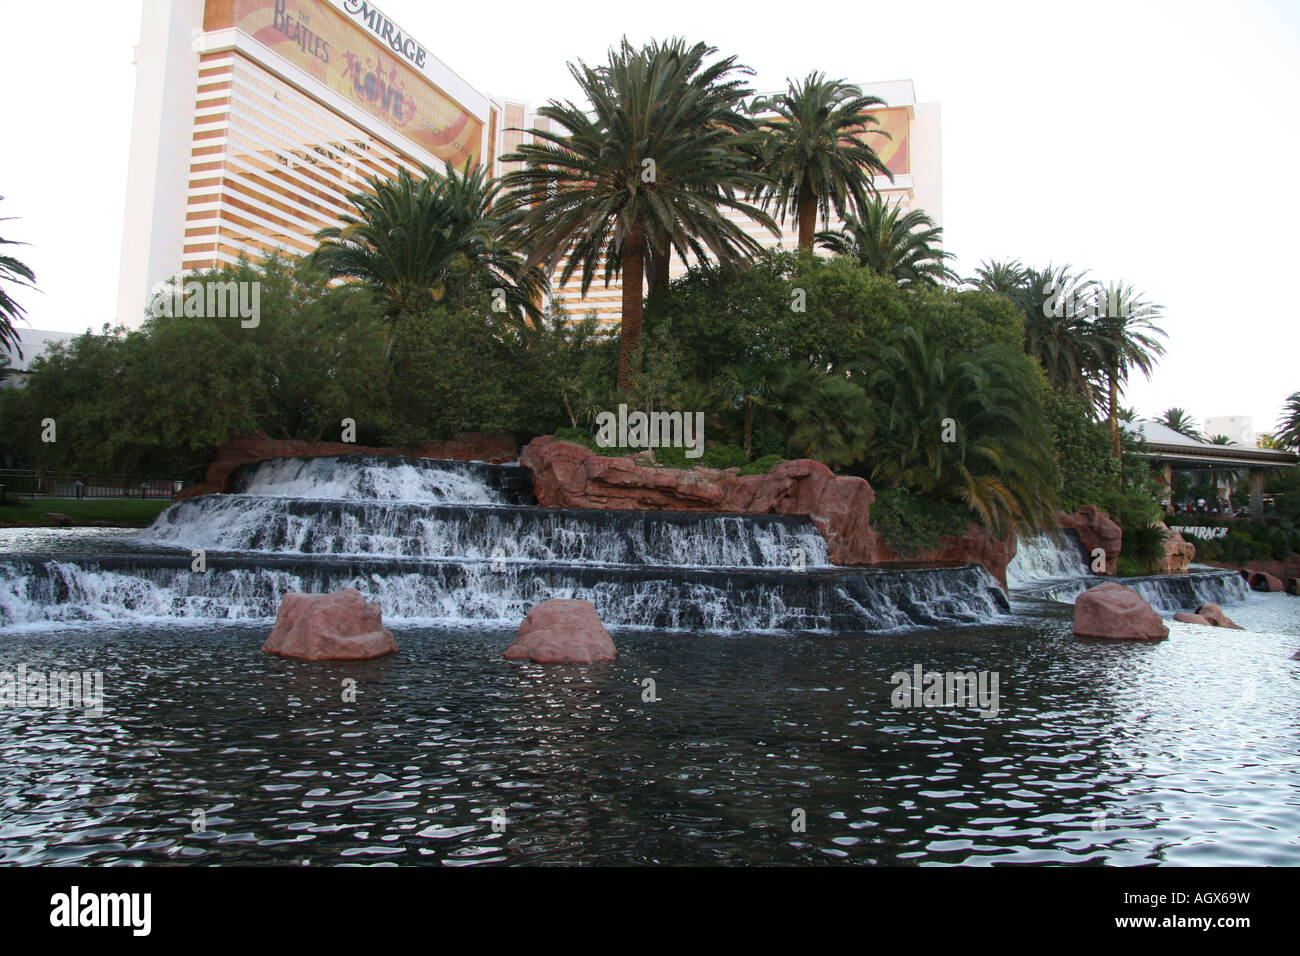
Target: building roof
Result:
[[1167, 445]]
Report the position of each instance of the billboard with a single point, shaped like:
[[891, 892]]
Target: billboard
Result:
[[369, 73], [893, 152]]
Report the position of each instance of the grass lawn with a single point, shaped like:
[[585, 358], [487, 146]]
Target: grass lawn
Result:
[[128, 512]]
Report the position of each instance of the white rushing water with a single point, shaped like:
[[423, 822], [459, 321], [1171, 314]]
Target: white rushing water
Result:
[[328, 478], [1050, 556]]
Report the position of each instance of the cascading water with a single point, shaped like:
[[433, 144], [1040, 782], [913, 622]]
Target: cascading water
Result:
[[455, 542], [1051, 566]]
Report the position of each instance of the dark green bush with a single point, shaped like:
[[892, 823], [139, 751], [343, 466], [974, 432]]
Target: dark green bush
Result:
[[911, 523], [761, 466]]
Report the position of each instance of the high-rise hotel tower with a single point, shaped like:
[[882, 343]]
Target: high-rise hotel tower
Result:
[[254, 119]]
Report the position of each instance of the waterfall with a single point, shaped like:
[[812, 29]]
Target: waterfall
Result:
[[1049, 556], [1051, 566], [457, 543]]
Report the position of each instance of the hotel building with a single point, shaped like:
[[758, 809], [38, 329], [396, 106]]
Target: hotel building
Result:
[[254, 120]]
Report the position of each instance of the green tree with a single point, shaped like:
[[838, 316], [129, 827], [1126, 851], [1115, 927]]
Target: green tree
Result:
[[656, 157], [1287, 432], [1180, 421], [1127, 339], [1005, 277], [905, 246], [12, 273], [816, 156]]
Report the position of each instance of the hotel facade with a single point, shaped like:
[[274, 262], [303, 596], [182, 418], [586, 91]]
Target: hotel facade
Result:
[[254, 120]]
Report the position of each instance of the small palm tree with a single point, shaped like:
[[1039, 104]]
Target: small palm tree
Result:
[[1003, 277], [1180, 421], [653, 161], [751, 383], [828, 415], [906, 246], [12, 272], [1288, 423], [816, 156], [405, 233], [1057, 331]]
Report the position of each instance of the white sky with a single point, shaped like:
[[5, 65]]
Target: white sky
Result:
[[1154, 142]]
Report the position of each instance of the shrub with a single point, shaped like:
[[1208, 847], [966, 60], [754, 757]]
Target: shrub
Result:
[[761, 466], [912, 523]]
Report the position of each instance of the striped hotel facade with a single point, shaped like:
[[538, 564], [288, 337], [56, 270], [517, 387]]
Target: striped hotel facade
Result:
[[254, 119]]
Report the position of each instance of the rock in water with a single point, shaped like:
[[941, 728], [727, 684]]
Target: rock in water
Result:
[[1115, 611], [1183, 617], [1263, 581], [325, 627], [1214, 614], [562, 632]]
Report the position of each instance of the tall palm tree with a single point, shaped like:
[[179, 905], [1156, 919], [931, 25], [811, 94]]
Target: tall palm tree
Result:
[[404, 234], [1057, 331], [1288, 423], [816, 156], [906, 246], [1002, 276], [1177, 419], [1127, 338], [15, 272], [655, 158]]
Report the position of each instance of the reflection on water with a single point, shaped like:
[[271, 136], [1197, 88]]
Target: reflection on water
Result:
[[1181, 752]]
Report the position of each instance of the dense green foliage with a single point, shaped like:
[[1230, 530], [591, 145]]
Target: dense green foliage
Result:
[[911, 523]]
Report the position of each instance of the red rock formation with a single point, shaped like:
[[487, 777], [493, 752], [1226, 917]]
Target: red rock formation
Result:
[[1095, 530], [562, 632], [977, 546], [1263, 581], [338, 626], [1214, 615], [566, 475], [1290, 568], [1114, 611], [1179, 552], [1183, 617], [244, 450]]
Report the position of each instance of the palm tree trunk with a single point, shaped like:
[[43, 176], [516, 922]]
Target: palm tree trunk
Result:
[[807, 217], [633, 276], [1114, 415], [749, 427]]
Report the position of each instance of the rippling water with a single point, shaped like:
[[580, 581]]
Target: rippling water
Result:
[[1181, 752]]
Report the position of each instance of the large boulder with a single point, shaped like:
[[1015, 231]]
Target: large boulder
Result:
[[1095, 530], [323, 627], [247, 449], [1114, 611], [562, 631], [1263, 581], [566, 475], [1214, 614], [1185, 617], [1179, 552]]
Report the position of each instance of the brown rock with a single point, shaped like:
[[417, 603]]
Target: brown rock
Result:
[[1095, 530], [566, 475], [1263, 581], [977, 546], [1114, 611], [338, 626], [1214, 614], [246, 449], [1185, 617], [1179, 552], [562, 632]]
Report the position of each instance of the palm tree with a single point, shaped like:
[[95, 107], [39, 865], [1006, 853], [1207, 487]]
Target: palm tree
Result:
[[12, 271], [815, 155], [906, 246], [1178, 420], [655, 159], [1057, 331], [751, 383], [405, 233], [1268, 441], [827, 414], [962, 427], [1288, 423], [1003, 277], [1126, 337]]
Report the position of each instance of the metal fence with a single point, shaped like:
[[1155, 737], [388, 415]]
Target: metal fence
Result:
[[27, 483]]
